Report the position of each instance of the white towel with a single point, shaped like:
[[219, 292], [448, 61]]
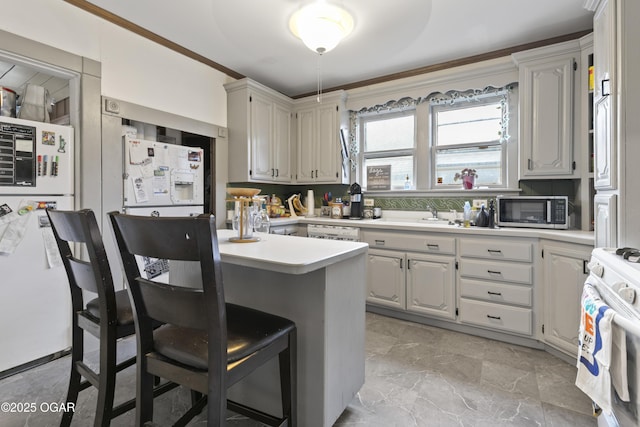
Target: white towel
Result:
[[595, 351]]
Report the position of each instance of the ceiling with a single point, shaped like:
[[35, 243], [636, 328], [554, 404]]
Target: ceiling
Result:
[[251, 37]]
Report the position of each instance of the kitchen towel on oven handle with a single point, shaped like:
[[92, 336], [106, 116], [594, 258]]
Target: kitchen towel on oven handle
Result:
[[598, 358]]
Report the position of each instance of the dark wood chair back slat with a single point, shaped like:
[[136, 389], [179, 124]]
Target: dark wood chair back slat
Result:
[[187, 309]]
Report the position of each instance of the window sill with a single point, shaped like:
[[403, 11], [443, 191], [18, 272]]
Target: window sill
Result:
[[445, 192]]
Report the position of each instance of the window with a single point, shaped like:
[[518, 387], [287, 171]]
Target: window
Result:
[[388, 141], [469, 131]]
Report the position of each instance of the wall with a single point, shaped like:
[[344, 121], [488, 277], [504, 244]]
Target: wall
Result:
[[133, 69]]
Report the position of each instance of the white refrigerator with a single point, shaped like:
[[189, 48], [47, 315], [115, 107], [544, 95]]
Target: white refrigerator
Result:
[[36, 172], [162, 179]]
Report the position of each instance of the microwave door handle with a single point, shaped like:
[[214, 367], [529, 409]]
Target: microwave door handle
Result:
[[548, 211]]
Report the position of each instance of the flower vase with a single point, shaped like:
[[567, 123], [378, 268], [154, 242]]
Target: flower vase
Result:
[[468, 181]]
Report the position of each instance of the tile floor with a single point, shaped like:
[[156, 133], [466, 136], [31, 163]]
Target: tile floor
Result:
[[416, 375]]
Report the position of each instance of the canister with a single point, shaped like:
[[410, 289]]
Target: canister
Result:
[[336, 210], [7, 102]]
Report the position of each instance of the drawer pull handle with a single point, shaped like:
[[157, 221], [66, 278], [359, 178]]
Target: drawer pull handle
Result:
[[494, 251], [493, 272], [379, 242], [433, 246], [493, 317], [494, 293]]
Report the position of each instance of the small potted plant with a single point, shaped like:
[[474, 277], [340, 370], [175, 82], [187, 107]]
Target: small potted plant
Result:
[[468, 177]]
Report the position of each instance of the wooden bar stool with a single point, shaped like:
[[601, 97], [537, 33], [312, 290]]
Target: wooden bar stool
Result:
[[107, 317], [205, 344]]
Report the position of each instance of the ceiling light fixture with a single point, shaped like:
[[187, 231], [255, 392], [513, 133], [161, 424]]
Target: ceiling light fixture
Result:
[[321, 26]]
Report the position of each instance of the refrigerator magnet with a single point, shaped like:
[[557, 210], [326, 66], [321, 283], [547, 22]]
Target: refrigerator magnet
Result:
[[48, 137]]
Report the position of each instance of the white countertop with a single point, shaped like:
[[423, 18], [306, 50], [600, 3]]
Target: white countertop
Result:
[[403, 224], [286, 254]]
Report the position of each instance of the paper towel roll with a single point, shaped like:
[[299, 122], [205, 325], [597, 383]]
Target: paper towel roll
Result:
[[310, 204]]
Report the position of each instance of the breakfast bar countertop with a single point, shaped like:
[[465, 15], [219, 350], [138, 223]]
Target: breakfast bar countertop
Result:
[[285, 254]]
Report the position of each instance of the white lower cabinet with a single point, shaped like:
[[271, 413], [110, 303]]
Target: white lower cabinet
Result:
[[385, 278], [496, 279], [565, 271], [431, 285], [501, 284], [422, 283]]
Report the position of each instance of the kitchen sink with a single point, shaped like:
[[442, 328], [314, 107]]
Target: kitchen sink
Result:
[[430, 221]]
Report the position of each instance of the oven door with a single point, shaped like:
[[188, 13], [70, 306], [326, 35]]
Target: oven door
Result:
[[624, 413]]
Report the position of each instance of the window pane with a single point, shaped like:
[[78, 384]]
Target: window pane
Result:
[[473, 124], [389, 134], [401, 166], [487, 162]]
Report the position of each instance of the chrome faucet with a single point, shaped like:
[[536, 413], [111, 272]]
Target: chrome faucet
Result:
[[433, 211]]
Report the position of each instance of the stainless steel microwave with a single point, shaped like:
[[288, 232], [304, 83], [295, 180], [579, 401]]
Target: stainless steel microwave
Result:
[[533, 211]]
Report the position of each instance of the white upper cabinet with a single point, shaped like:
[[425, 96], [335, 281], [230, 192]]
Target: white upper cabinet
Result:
[[318, 140], [260, 128], [547, 87], [604, 96]]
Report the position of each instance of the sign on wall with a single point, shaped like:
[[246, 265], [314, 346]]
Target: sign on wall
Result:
[[379, 177]]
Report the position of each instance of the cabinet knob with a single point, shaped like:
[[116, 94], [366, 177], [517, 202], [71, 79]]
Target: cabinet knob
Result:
[[493, 317]]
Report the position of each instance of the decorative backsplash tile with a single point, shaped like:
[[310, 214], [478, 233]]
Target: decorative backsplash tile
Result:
[[418, 203]]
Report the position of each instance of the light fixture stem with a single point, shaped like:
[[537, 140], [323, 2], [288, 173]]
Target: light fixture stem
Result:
[[319, 86]]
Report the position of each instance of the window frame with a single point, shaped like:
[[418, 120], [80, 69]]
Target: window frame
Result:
[[435, 107], [404, 152]]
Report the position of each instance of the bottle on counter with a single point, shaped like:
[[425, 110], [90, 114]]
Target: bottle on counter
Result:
[[262, 222], [467, 214], [407, 183], [492, 214]]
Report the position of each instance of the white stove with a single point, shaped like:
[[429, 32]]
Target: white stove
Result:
[[618, 282]]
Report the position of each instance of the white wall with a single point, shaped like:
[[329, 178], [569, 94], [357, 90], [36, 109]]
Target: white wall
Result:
[[134, 69]]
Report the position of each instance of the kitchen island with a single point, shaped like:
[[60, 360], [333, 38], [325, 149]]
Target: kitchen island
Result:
[[320, 285]]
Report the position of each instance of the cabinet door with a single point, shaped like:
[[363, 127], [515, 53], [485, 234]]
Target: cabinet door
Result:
[[564, 276], [327, 168], [547, 105], [261, 134], [431, 285], [386, 279], [605, 213], [281, 150], [604, 105], [306, 145]]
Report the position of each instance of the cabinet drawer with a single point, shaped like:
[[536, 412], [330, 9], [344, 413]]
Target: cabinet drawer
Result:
[[496, 316], [497, 249], [500, 271], [496, 292], [410, 242]]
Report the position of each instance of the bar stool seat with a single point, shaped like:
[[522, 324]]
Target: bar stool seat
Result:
[[248, 331], [124, 311]]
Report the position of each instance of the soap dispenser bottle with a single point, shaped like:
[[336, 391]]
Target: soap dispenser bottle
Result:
[[467, 214]]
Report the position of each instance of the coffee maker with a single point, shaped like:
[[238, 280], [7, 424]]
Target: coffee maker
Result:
[[356, 201]]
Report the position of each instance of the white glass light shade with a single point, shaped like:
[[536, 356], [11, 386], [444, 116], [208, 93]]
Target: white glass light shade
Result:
[[321, 26]]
